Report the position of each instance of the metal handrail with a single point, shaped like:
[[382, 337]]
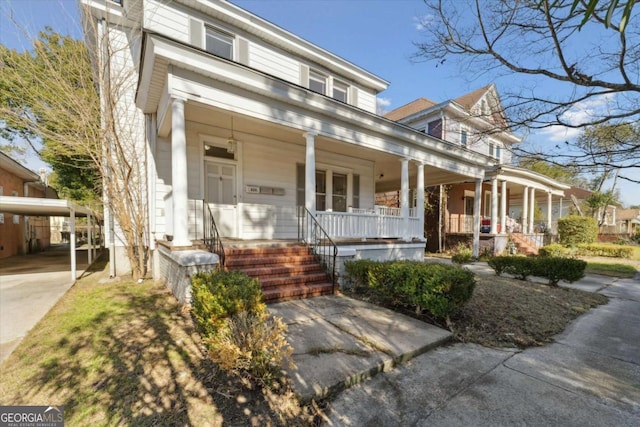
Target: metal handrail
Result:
[[316, 238], [211, 236]]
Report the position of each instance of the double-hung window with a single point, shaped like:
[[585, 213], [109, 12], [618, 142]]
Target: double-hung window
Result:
[[339, 91], [463, 137], [219, 43], [317, 82]]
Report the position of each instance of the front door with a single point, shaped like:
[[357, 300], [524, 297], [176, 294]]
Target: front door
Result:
[[468, 214], [220, 190]]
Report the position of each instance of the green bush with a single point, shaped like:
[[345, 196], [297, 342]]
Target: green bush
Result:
[[596, 249], [220, 294], [463, 255], [551, 267], [554, 249], [559, 268], [434, 287], [575, 229]]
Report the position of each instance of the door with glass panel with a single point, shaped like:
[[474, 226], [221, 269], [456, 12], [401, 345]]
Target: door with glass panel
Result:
[[220, 194]]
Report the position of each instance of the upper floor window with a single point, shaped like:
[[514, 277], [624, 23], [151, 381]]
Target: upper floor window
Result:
[[463, 137], [219, 43], [498, 153], [317, 82], [434, 128], [340, 91], [492, 152]]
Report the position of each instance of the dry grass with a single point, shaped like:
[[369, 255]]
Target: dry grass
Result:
[[125, 354], [506, 312]]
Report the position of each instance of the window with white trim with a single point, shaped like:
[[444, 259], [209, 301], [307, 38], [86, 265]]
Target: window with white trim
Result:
[[434, 128], [219, 43], [340, 91], [463, 137], [492, 149], [321, 190], [498, 152], [317, 82]]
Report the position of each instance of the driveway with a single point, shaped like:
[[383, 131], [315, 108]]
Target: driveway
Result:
[[29, 286], [590, 376]]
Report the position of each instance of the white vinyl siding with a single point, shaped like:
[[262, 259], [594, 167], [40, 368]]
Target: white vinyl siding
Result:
[[163, 18], [366, 101], [271, 62]]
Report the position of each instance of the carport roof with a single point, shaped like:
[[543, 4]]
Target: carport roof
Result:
[[41, 207]]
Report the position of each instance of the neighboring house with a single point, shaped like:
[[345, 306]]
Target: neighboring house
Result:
[[249, 122], [21, 234], [628, 222], [475, 122]]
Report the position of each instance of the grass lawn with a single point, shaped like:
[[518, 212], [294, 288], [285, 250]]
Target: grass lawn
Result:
[[611, 269], [122, 353]]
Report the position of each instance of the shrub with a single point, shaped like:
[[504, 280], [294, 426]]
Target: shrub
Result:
[[251, 342], [434, 287], [550, 267], [554, 249], [559, 268], [220, 294], [575, 229], [596, 249], [238, 331], [463, 255]]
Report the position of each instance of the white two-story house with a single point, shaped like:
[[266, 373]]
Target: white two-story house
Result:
[[475, 122]]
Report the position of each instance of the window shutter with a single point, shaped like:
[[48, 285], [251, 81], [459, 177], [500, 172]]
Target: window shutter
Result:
[[243, 51], [353, 96], [195, 32], [304, 75]]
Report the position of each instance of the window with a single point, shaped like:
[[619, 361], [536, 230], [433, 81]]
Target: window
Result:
[[340, 91], [300, 182], [317, 82], [491, 149], [219, 43], [339, 196], [498, 153], [463, 137], [434, 128], [356, 191], [321, 191]]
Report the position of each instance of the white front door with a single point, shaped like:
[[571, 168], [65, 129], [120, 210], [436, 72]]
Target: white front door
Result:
[[220, 190]]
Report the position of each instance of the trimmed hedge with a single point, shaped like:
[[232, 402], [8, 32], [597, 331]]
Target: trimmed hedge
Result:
[[220, 294], [551, 267], [435, 287], [554, 249], [595, 249], [575, 229]]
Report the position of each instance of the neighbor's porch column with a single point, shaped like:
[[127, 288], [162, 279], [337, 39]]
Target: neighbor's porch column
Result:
[[476, 218], [494, 205], [310, 173], [179, 174], [549, 211], [532, 209], [525, 210], [503, 207], [420, 200], [404, 199], [89, 239]]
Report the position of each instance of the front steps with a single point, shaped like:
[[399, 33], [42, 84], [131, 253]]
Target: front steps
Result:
[[524, 245], [285, 272]]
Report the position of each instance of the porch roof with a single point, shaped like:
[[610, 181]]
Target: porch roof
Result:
[[527, 178]]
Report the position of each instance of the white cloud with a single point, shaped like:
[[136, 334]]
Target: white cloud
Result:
[[382, 105], [579, 113], [422, 22]]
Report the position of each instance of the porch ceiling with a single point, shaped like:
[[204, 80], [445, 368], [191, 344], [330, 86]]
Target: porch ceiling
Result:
[[387, 166]]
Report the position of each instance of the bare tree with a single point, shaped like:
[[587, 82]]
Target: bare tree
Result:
[[51, 93], [570, 61]]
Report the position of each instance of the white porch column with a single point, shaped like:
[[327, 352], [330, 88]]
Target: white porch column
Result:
[[476, 218], [532, 209], [494, 205], [503, 207], [525, 210], [179, 174], [420, 199], [89, 239], [310, 174], [404, 199], [72, 243], [549, 210]]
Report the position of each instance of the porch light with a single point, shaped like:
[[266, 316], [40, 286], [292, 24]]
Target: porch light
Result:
[[231, 145]]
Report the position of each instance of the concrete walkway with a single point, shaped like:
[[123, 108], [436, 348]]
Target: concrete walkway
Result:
[[29, 286], [590, 376]]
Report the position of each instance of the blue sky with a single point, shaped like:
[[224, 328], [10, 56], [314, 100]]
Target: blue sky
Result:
[[377, 35]]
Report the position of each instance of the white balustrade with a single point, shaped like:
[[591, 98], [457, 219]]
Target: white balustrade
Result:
[[350, 225]]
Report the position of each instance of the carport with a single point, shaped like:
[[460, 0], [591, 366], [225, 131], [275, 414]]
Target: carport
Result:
[[34, 206]]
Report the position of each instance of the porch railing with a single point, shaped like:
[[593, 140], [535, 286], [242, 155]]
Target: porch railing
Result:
[[211, 237], [351, 225], [313, 235]]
